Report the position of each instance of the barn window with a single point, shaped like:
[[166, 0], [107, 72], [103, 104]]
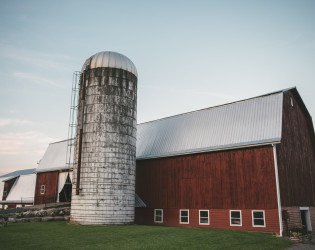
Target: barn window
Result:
[[204, 217], [258, 218], [184, 216], [235, 218], [42, 189], [4, 191], [158, 215], [291, 101]]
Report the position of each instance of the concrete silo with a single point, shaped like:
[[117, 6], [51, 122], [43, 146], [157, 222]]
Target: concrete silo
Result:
[[105, 160]]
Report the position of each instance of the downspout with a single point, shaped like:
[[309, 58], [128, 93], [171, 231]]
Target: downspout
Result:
[[278, 189], [83, 87]]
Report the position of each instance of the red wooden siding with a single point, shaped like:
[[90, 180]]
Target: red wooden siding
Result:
[[218, 218], [296, 157], [8, 185], [235, 179], [50, 180]]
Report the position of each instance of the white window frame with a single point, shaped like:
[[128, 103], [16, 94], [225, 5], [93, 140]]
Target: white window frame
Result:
[[42, 189], [180, 216], [308, 219], [236, 225], [253, 223], [155, 210], [203, 210]]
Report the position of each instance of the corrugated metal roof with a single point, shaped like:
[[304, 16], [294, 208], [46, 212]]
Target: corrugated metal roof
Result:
[[248, 122], [18, 173], [23, 189], [139, 202], [55, 157]]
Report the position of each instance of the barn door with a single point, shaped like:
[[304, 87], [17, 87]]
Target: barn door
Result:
[[65, 193], [305, 218]]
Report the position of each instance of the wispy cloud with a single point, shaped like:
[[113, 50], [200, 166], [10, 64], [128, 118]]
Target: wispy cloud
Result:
[[26, 143], [36, 79], [179, 91], [10, 121], [41, 60]]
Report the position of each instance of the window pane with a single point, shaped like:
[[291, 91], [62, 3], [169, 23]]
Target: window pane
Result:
[[184, 219], [158, 218], [203, 213], [235, 214], [258, 215], [236, 221], [183, 213], [158, 212], [204, 220], [259, 222]]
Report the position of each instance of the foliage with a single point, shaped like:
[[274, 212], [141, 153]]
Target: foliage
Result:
[[62, 235], [297, 231]]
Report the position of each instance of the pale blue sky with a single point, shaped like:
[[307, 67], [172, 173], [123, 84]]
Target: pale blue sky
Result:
[[189, 55]]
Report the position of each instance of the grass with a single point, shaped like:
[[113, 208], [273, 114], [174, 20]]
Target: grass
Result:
[[61, 235]]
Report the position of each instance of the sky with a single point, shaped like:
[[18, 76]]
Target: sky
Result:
[[189, 55]]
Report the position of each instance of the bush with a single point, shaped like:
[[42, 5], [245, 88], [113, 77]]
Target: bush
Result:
[[297, 231]]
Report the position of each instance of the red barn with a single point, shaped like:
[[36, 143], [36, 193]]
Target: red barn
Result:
[[247, 165], [53, 182]]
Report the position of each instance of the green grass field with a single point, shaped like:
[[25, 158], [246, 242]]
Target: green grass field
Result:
[[61, 235]]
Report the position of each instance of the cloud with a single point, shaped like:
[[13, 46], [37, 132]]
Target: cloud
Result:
[[36, 79], [26, 143], [192, 92], [9, 121], [41, 60]]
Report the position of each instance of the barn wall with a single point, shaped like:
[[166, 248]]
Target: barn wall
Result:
[[50, 180], [296, 154], [243, 178], [219, 181], [219, 218], [8, 185]]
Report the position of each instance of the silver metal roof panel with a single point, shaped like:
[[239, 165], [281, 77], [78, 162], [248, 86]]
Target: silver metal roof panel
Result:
[[55, 157], [17, 173], [249, 122], [255, 121], [139, 202]]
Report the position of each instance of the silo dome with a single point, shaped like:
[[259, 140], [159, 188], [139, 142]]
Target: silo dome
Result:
[[110, 59]]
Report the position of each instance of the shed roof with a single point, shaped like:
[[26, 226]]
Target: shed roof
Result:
[[22, 190], [244, 123], [55, 157], [17, 173], [139, 202]]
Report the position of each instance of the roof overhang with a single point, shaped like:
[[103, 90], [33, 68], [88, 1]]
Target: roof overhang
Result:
[[52, 169], [214, 149], [10, 178]]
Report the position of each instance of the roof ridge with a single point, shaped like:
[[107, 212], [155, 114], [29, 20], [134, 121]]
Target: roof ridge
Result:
[[221, 105], [61, 141]]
